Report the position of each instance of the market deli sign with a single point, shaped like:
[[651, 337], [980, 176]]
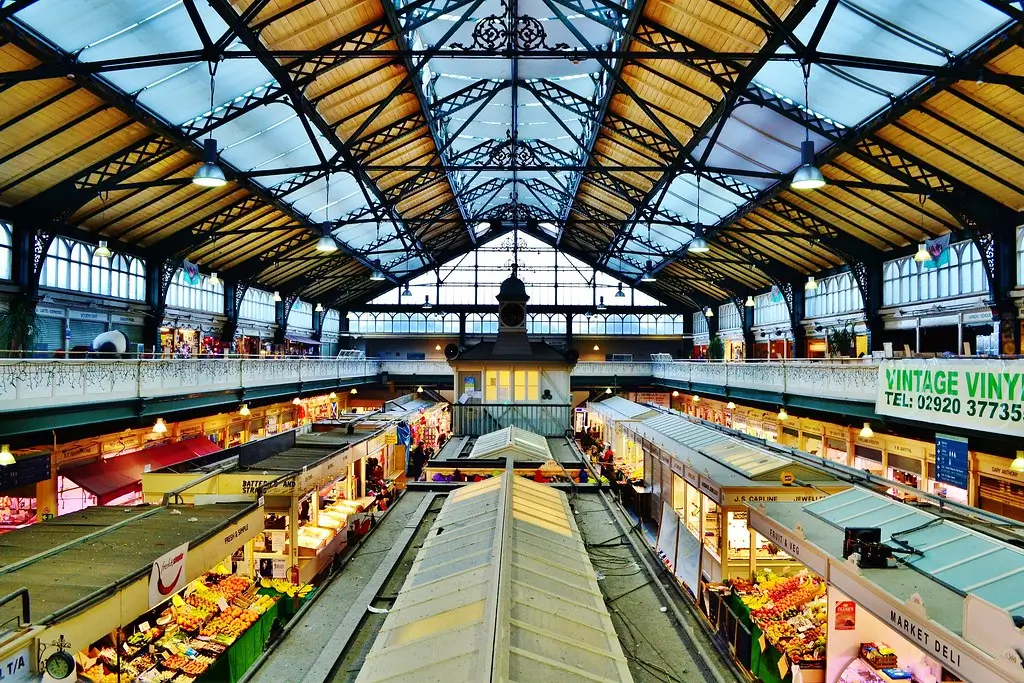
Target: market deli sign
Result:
[[987, 395], [168, 576]]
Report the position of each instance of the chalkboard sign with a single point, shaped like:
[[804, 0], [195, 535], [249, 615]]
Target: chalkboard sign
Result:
[[25, 471], [951, 460]]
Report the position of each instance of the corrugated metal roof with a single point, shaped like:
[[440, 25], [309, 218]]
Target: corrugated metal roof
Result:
[[503, 584], [961, 559], [511, 442]]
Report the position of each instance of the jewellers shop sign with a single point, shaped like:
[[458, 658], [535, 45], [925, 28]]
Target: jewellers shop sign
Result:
[[987, 395]]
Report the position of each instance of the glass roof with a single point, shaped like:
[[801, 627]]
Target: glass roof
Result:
[[551, 277]]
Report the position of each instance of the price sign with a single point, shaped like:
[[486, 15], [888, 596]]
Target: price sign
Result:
[[951, 461]]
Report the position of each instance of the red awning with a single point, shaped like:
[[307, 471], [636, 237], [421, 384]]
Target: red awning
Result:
[[113, 478], [302, 340]]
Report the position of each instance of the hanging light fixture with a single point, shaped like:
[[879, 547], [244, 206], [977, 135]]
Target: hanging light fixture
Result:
[[922, 255], [326, 243], [608, 390], [159, 427], [354, 391], [210, 174], [698, 245], [102, 251], [648, 275], [600, 304], [406, 291], [332, 396], [214, 280], [866, 432], [244, 410], [811, 284], [675, 394], [696, 398], [619, 294], [277, 296], [426, 303], [783, 415], [319, 307], [296, 401], [730, 406], [376, 275], [596, 347], [1017, 465], [6, 457], [807, 176], [419, 389], [437, 347], [749, 302], [708, 312]]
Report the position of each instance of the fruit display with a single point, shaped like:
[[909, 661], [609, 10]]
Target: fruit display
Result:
[[791, 611], [193, 631]]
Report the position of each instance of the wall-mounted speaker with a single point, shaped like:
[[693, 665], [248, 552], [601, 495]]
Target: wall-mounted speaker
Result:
[[572, 356], [452, 351]]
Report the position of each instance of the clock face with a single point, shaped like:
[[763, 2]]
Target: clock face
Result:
[[512, 315], [60, 665]]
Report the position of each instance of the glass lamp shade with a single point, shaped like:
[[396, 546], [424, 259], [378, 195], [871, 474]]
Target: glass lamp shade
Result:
[[698, 246], [807, 176], [209, 174]]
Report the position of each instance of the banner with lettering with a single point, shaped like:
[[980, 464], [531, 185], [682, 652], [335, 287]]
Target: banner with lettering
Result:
[[987, 395]]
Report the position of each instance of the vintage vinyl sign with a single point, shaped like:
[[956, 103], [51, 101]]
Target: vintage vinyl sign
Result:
[[987, 395]]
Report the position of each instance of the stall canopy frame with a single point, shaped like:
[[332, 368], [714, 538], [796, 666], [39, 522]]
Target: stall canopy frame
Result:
[[961, 559], [513, 442], [502, 590], [622, 409], [753, 463]]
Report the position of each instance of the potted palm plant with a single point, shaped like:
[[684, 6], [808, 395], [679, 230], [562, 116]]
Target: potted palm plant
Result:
[[841, 341], [716, 348]]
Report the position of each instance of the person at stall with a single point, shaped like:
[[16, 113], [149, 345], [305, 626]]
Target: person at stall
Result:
[[607, 462], [442, 439], [304, 510], [416, 461]]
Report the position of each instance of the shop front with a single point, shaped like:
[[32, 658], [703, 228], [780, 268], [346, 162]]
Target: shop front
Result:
[[254, 341], [189, 338], [172, 607], [1000, 489], [705, 479], [911, 618]]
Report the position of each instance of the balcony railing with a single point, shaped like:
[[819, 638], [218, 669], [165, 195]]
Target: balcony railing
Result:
[[27, 384], [543, 419], [37, 383], [855, 381]]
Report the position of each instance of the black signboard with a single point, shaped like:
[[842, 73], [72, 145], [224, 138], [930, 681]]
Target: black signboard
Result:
[[25, 471]]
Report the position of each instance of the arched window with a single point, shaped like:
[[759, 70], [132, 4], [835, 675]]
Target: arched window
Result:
[[729, 317], [201, 296], [257, 306], [700, 324], [76, 267], [905, 281], [770, 308], [6, 250], [1020, 256], [300, 317], [835, 295], [332, 322]]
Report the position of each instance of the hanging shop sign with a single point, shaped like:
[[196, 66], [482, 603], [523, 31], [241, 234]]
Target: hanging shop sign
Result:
[[986, 395], [737, 498], [168, 575], [711, 490], [127, 319], [660, 399], [787, 541], [951, 462], [50, 311], [88, 315]]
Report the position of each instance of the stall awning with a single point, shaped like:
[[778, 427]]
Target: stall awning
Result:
[[302, 340], [113, 478]]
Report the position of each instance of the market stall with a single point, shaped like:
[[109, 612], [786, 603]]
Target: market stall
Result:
[[611, 416], [317, 488], [705, 477], [81, 599], [939, 605]]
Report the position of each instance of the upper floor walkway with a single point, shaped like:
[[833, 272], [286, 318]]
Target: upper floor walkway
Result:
[[41, 386]]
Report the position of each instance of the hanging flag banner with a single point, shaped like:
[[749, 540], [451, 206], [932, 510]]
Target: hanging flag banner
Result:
[[191, 271], [939, 249], [776, 295], [987, 395]]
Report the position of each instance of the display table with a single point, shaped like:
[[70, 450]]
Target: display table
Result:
[[286, 605], [243, 653], [764, 664]]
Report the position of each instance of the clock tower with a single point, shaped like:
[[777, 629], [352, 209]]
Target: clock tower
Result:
[[512, 298]]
